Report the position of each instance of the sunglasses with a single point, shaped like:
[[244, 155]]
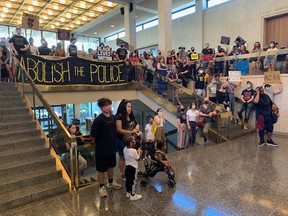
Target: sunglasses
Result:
[[18, 28]]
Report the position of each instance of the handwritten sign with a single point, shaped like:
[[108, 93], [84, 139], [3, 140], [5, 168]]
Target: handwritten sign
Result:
[[30, 21], [104, 53], [235, 76], [272, 77]]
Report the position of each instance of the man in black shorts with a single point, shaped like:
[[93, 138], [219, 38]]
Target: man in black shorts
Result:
[[103, 135]]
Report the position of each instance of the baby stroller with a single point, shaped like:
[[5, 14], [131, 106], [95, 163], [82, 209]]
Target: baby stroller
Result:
[[153, 166]]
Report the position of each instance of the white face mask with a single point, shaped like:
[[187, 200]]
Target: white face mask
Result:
[[160, 113], [248, 86], [267, 89], [271, 45], [193, 107]]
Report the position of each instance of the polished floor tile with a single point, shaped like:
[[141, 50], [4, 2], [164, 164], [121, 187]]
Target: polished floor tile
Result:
[[237, 178]]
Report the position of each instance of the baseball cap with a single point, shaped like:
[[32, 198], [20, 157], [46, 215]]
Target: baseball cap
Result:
[[267, 85]]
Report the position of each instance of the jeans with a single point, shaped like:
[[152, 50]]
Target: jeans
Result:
[[192, 132], [268, 126], [232, 103], [247, 107]]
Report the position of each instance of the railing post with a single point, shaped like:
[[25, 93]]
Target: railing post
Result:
[[33, 93], [74, 164], [49, 131]]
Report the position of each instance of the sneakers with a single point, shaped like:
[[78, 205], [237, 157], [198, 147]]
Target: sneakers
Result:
[[102, 192], [271, 143], [128, 195], [240, 122], [135, 197], [123, 177], [114, 185], [205, 140], [261, 143]]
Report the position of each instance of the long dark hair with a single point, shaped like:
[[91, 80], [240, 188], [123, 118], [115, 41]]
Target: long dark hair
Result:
[[121, 110]]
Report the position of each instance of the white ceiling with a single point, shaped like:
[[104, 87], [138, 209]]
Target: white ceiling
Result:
[[144, 10]]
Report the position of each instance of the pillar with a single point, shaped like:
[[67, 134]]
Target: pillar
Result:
[[130, 25]]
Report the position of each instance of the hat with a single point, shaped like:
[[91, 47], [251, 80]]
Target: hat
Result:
[[267, 85]]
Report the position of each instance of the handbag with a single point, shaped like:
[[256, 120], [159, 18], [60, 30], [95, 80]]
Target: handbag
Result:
[[274, 117], [200, 121]]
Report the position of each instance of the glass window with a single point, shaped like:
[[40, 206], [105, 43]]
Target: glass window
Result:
[[93, 42], [50, 37], [70, 114], [184, 12], [139, 28], [82, 43], [4, 31], [150, 24], [121, 34], [110, 38], [36, 35], [211, 3], [85, 111]]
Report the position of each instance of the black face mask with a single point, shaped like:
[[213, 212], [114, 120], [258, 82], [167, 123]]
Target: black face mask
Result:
[[121, 46], [182, 110], [192, 50], [159, 53]]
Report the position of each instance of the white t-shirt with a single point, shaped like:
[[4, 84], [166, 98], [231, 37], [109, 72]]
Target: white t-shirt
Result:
[[148, 131], [192, 114], [131, 157]]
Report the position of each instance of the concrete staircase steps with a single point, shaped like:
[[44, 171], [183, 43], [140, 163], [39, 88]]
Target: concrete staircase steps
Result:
[[15, 110], [18, 134], [31, 194], [15, 182], [21, 143], [13, 104], [9, 93], [26, 165], [18, 117], [17, 125], [24, 153]]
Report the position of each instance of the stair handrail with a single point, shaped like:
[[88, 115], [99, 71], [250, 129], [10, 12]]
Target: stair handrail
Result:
[[68, 138]]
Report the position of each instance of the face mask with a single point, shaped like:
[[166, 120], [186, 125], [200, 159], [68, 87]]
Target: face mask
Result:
[[121, 46], [193, 107], [267, 89], [230, 82], [134, 54], [160, 113], [193, 50], [159, 53], [248, 86], [182, 110], [271, 45], [205, 102], [225, 87]]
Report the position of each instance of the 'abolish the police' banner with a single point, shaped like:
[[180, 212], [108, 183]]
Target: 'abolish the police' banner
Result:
[[71, 71]]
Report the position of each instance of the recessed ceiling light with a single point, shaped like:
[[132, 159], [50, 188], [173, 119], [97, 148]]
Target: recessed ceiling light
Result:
[[30, 8], [78, 22], [109, 4], [9, 5], [57, 23], [83, 5], [72, 26], [52, 26], [55, 7], [5, 10], [19, 22], [91, 1], [75, 11], [95, 33], [3, 15], [68, 15], [62, 1], [35, 3], [112, 26], [40, 21], [45, 17], [100, 9], [91, 14], [50, 12], [84, 18], [62, 19], [1, 19]]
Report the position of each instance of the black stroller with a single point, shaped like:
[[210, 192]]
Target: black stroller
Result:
[[153, 166]]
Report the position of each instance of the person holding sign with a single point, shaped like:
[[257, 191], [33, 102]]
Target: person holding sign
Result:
[[192, 59], [247, 97], [72, 48]]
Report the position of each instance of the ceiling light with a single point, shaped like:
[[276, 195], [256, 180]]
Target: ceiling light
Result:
[[62, 1], [45, 17], [84, 18], [112, 26], [91, 1], [50, 12], [35, 3], [30, 8], [100, 9], [83, 5], [19, 22], [62, 19], [78, 22], [40, 21], [9, 5], [91, 14], [52, 26], [57, 23], [72, 26], [68, 15], [55, 7], [5, 10], [66, 28], [75, 11], [95, 33], [109, 4], [1, 19], [3, 15]]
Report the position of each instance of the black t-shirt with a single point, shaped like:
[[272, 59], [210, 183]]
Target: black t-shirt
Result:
[[72, 50], [182, 117], [264, 107], [200, 82], [104, 131], [281, 57], [130, 125], [44, 50], [247, 94], [19, 42], [122, 53]]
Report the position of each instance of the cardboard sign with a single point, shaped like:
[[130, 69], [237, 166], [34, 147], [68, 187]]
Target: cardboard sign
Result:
[[63, 34], [104, 53], [30, 21], [225, 40], [272, 77], [235, 76]]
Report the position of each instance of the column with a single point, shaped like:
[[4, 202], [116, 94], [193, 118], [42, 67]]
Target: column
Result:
[[165, 26], [130, 25], [77, 111]]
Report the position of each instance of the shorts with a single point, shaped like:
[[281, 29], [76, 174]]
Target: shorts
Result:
[[120, 147], [105, 162]]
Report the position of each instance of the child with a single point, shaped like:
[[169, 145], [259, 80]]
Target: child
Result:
[[131, 156], [162, 157]]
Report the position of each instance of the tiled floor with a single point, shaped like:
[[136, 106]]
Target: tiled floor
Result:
[[236, 178]]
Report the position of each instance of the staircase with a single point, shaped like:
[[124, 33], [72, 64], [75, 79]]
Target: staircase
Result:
[[27, 170]]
